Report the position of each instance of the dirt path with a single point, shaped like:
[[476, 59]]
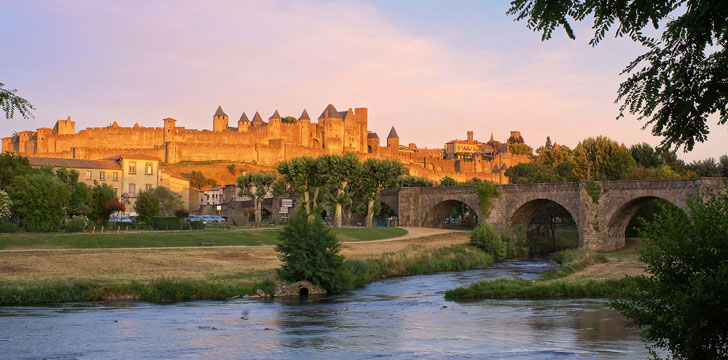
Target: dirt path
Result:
[[184, 262]]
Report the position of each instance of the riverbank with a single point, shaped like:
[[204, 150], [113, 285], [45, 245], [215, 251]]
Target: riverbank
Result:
[[171, 274], [582, 274]]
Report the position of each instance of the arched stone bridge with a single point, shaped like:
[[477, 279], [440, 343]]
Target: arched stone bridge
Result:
[[601, 225]]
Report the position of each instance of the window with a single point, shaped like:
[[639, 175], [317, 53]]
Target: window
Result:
[[89, 175], [132, 167], [132, 189], [115, 177], [148, 168], [102, 175], [116, 191], [148, 187]]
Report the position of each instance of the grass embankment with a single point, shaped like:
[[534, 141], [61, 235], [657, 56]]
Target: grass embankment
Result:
[[161, 275], [143, 239], [579, 276]]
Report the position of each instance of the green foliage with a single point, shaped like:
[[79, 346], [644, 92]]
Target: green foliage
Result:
[[415, 181], [309, 251], [663, 172], [515, 241], [565, 171], [601, 159], [683, 305], [520, 149], [256, 185], [146, 206], [10, 102], [76, 224], [231, 168], [39, 200], [11, 166], [678, 83], [5, 205], [339, 172], [199, 181], [181, 213], [648, 157], [529, 173], [197, 225], [486, 191], [69, 177], [80, 200], [289, 120], [448, 181], [486, 237], [8, 227], [377, 174], [594, 190], [709, 167], [168, 200], [101, 194], [552, 156], [164, 223]]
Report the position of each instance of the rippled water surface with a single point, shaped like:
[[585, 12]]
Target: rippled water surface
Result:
[[399, 318]]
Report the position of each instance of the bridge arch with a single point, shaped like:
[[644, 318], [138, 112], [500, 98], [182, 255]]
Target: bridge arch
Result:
[[438, 213], [619, 218]]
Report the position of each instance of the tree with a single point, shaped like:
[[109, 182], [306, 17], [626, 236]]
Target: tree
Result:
[[520, 149], [415, 181], [146, 206], [40, 201], [69, 177], [256, 185], [199, 181], [682, 306], [601, 158], [648, 157], [486, 237], [553, 156], [550, 215], [100, 195], [659, 173], [680, 81], [376, 176], [289, 120], [529, 173], [80, 200], [448, 181], [113, 206], [309, 251], [10, 102], [168, 200], [302, 176], [231, 168], [11, 166], [338, 171], [706, 168]]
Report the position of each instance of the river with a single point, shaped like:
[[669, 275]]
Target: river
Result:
[[395, 318]]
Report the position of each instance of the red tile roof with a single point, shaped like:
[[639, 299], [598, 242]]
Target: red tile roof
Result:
[[74, 163]]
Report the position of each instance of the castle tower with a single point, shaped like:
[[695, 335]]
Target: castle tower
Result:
[[243, 123], [274, 126], [304, 122], [170, 126], [393, 143], [470, 136], [373, 143], [43, 140], [219, 120], [361, 116], [257, 120], [64, 127], [333, 134], [477, 162]]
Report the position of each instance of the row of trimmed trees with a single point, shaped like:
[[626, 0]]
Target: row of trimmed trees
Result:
[[342, 181]]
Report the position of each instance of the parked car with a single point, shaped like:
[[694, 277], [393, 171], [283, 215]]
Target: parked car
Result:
[[208, 219], [220, 219], [122, 218], [193, 218]]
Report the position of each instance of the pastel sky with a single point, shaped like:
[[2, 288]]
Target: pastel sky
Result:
[[433, 69]]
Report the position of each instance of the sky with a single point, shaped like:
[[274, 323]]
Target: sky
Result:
[[433, 69]]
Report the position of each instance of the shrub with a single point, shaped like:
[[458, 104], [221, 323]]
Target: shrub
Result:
[[309, 251], [197, 225], [147, 205], [122, 225], [8, 227], [515, 243], [76, 224], [39, 200], [487, 238], [165, 223]]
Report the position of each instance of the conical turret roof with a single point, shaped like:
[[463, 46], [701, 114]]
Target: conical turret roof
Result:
[[275, 115], [331, 110], [257, 118], [244, 117], [219, 112], [392, 134], [304, 115]]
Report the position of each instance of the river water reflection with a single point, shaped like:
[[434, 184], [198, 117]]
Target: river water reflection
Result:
[[398, 318]]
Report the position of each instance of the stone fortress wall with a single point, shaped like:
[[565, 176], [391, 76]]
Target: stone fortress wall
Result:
[[255, 141]]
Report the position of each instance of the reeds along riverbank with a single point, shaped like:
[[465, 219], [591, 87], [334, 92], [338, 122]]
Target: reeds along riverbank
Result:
[[556, 284], [355, 273]]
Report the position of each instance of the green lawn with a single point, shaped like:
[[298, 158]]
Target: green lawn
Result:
[[172, 238]]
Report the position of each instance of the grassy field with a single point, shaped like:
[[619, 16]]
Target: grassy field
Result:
[[173, 238], [174, 274], [582, 274]]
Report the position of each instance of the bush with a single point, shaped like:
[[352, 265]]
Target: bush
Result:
[[487, 238], [309, 251], [76, 224], [165, 223], [147, 205], [515, 242], [39, 201], [197, 225], [123, 225], [8, 227]]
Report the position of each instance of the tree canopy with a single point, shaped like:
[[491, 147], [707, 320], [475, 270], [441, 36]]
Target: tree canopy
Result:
[[10, 102], [679, 82]]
